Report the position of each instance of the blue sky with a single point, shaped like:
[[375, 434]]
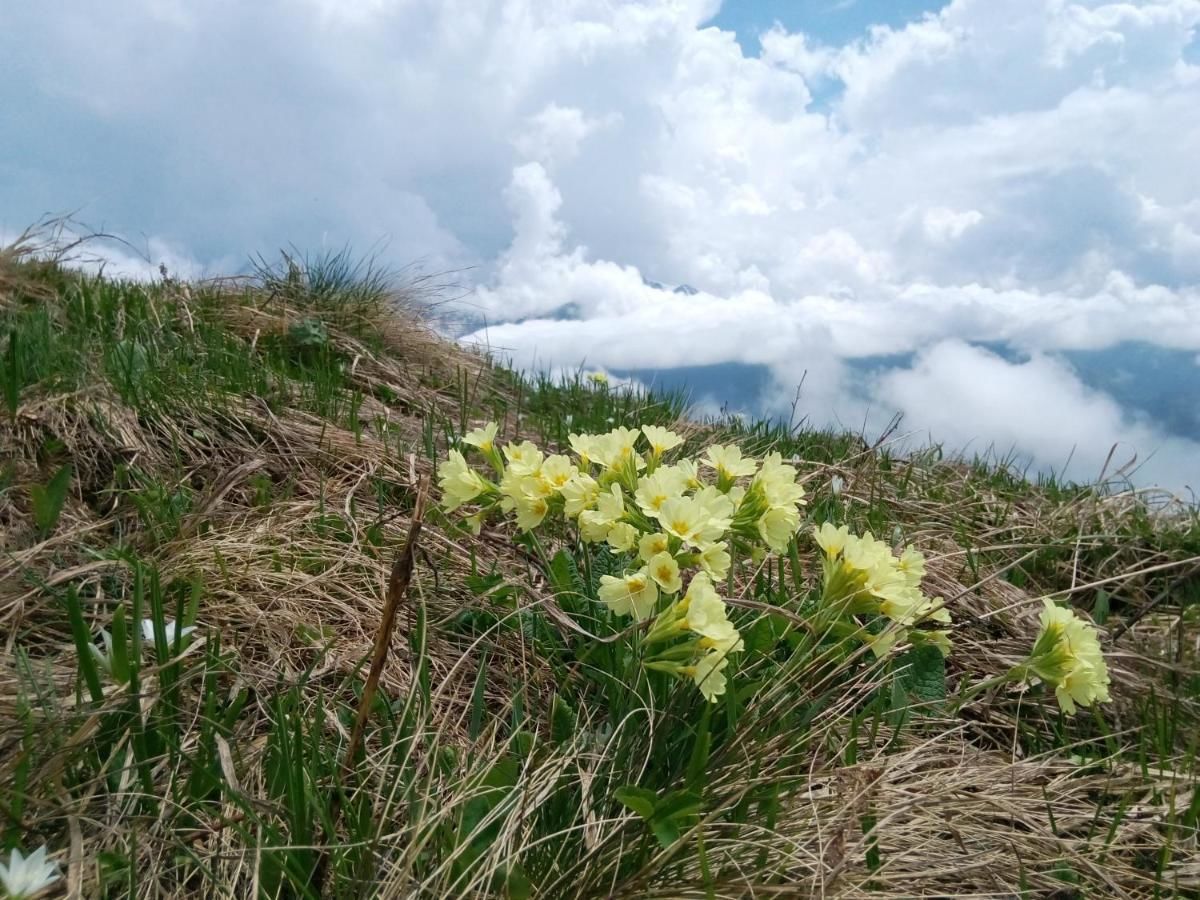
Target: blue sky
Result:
[[830, 21], [984, 215]]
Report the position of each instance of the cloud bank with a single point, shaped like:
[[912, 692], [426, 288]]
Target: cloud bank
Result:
[[968, 197]]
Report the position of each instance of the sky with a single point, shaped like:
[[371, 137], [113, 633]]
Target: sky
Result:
[[982, 216]]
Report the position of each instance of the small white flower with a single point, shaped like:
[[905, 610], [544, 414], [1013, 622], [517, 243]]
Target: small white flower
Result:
[[836, 485], [25, 876], [169, 626]]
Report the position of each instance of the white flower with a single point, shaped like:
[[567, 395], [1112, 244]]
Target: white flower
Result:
[[25, 876], [836, 484], [148, 631]]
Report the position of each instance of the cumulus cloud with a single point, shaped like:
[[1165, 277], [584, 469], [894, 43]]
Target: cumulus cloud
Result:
[[1020, 173]]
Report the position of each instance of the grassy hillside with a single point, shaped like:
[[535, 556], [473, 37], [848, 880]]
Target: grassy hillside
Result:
[[244, 456]]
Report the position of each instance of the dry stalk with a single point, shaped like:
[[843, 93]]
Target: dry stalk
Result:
[[398, 581]]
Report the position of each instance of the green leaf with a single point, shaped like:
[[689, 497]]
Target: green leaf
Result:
[[666, 830], [925, 679], [503, 774], [701, 748], [640, 800], [562, 573], [478, 697], [1101, 609], [48, 500], [83, 645], [562, 721], [522, 743], [678, 804], [120, 647], [12, 376], [517, 884]]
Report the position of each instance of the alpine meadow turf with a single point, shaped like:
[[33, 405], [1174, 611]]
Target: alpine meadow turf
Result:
[[891, 676]]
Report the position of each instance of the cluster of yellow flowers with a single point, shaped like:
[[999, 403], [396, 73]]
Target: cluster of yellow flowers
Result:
[[1067, 656], [863, 577], [677, 523], [668, 516]]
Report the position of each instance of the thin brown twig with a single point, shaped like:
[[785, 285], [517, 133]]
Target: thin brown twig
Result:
[[398, 582]]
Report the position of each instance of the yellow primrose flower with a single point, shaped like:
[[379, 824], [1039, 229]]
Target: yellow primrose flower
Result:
[[720, 505], [523, 458], [906, 605], [727, 459], [934, 638], [708, 673], [535, 485], [511, 488], [595, 524], [722, 636], [865, 553], [1067, 655], [531, 509], [911, 566], [459, 482], [635, 594], [580, 493], [617, 447], [690, 472], [557, 470], [830, 539], [655, 490], [585, 446], [665, 571], [650, 545], [622, 537], [777, 526], [690, 521], [661, 439], [484, 438], [778, 480], [705, 608], [715, 561]]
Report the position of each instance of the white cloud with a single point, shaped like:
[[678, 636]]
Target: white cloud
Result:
[[1020, 171], [943, 225], [556, 132], [973, 400]]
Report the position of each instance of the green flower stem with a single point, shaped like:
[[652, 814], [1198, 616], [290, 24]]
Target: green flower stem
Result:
[[1016, 674], [682, 652]]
